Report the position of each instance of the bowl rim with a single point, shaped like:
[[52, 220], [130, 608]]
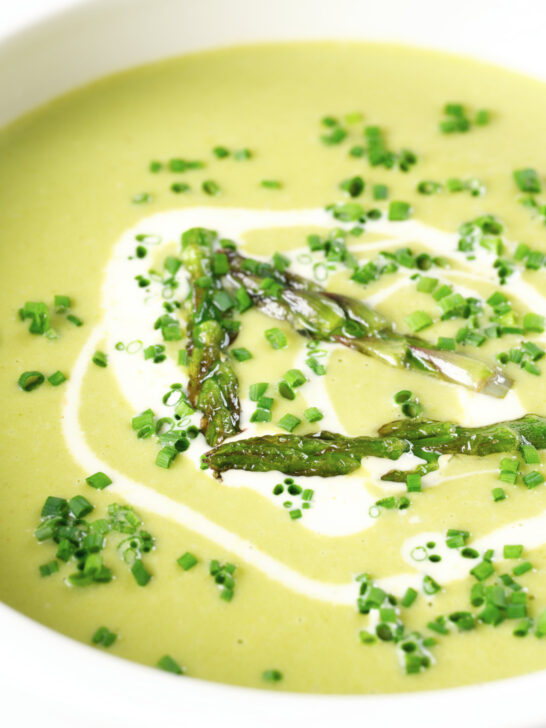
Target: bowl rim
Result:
[[27, 645]]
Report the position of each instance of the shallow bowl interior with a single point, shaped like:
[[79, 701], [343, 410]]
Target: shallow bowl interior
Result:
[[47, 675]]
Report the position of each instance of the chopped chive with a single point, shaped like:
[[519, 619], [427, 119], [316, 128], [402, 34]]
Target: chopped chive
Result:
[[522, 568], [166, 456], [241, 354], [446, 343], [357, 151], [168, 664], [409, 597], [428, 187], [482, 118], [276, 338], [426, 284], [530, 454], [141, 198], [534, 322], [512, 552], [272, 675], [285, 390], [265, 402], [367, 638], [242, 300], [223, 301], [80, 506], [242, 154], [271, 184], [50, 568], [313, 414], [399, 211], [430, 586], [210, 187], [220, 152], [30, 380], [413, 482], [483, 570], [354, 186], [74, 320], [141, 573], [187, 561], [100, 359], [527, 180], [104, 637], [289, 422], [98, 480], [257, 390], [179, 187], [318, 368], [380, 192], [533, 479], [336, 136], [295, 514], [61, 303], [404, 395], [56, 378], [295, 377], [154, 167], [418, 320], [54, 506], [541, 624], [261, 415]]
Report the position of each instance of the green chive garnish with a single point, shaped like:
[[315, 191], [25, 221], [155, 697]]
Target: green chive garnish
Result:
[[104, 637], [30, 380], [313, 414], [220, 152], [210, 187], [168, 664], [50, 568], [79, 506], [100, 359], [140, 572], [527, 180], [289, 422], [276, 338], [418, 320], [399, 211], [56, 378], [241, 354], [272, 675], [98, 480], [187, 561]]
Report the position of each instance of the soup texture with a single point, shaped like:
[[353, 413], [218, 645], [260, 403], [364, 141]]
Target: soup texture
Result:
[[273, 327]]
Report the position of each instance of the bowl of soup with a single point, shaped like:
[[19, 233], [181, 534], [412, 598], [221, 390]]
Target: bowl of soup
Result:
[[273, 306]]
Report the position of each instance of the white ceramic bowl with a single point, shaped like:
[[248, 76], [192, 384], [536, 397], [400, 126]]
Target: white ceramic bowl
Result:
[[50, 680]]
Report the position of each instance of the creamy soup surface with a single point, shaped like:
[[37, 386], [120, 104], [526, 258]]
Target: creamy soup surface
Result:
[[408, 180]]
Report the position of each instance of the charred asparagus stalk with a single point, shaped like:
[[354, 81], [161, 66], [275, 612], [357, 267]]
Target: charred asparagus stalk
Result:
[[324, 454], [327, 454], [213, 386], [315, 313]]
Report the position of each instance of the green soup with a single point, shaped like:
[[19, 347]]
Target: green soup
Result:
[[381, 173]]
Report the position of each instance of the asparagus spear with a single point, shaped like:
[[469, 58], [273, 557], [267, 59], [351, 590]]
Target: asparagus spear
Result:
[[213, 386], [327, 454], [314, 312], [324, 454]]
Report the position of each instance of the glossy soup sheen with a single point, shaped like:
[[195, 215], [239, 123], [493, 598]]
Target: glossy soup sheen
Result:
[[69, 173]]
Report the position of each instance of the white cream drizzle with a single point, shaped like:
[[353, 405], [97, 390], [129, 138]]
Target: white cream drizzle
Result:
[[339, 508]]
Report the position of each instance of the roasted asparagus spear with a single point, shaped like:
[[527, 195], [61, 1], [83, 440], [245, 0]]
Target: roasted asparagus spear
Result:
[[324, 316], [328, 454], [213, 386]]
